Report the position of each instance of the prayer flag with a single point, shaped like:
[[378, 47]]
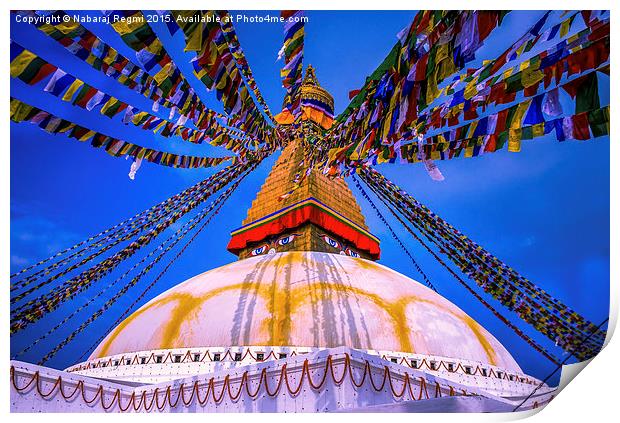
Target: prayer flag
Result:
[[58, 82]]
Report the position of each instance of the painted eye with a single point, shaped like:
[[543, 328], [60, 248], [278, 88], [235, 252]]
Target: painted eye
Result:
[[260, 250], [331, 242], [287, 239], [352, 253], [284, 240]]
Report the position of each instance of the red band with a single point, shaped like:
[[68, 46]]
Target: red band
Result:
[[307, 213]]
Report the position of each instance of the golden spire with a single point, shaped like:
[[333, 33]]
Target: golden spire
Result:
[[312, 90], [317, 104], [300, 209]]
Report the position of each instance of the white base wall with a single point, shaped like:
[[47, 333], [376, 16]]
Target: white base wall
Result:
[[263, 387]]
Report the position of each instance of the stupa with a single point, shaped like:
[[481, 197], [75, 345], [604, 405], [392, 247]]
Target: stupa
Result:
[[305, 320]]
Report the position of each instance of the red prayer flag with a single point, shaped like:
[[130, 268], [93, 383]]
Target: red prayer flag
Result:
[[581, 126], [353, 93], [44, 71]]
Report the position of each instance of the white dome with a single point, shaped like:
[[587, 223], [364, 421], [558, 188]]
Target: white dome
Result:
[[306, 299]]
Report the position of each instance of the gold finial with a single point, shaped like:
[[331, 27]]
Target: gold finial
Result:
[[310, 77]]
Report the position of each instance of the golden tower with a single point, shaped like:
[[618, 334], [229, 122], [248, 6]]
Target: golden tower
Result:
[[305, 212]]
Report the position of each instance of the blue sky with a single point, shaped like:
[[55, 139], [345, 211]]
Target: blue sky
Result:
[[544, 211]]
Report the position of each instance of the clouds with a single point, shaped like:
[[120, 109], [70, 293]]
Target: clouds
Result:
[[35, 236]]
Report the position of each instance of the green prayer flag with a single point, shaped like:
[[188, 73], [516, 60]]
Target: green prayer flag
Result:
[[599, 121], [587, 95]]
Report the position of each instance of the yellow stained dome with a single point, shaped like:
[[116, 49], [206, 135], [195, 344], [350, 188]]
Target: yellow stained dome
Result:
[[306, 299]]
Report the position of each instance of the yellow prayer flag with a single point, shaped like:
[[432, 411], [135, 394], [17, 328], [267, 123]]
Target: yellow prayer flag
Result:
[[66, 129], [164, 73], [333, 152], [47, 29], [124, 27], [67, 27], [446, 68], [538, 130], [519, 114], [121, 27], [73, 88], [87, 135], [524, 64], [381, 159], [200, 73], [155, 47], [110, 56], [470, 90], [576, 49], [442, 52], [111, 102], [230, 144], [159, 126], [298, 34], [19, 110], [508, 72], [124, 149], [194, 40], [234, 74], [21, 62], [355, 155], [137, 118], [531, 76], [432, 92], [217, 140], [221, 84], [188, 103], [565, 27], [472, 129], [572, 39], [514, 140]]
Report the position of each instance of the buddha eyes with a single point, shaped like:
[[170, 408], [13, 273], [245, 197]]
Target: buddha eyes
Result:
[[331, 242], [260, 250], [287, 239], [351, 253], [284, 240]]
